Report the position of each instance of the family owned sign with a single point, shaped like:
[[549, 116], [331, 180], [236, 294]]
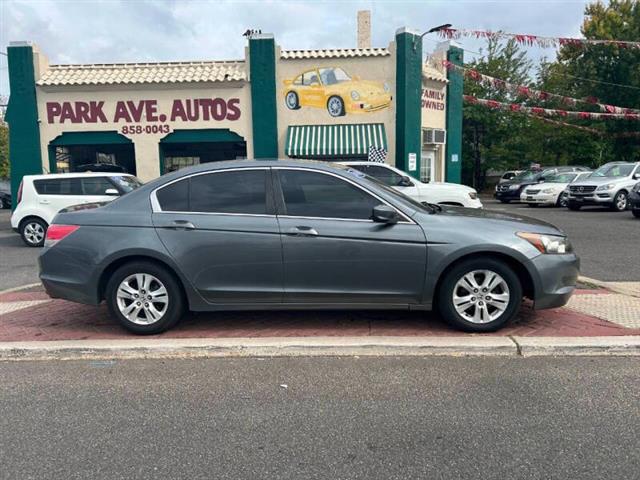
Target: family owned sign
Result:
[[136, 111]]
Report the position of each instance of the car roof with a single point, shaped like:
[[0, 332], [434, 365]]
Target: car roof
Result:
[[76, 174]]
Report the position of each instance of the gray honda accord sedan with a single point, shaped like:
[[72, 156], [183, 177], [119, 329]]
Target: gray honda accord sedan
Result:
[[255, 235]]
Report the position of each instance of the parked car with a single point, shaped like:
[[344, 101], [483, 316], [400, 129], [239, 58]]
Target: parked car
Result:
[[41, 197], [508, 175], [441, 193], [101, 167], [634, 200], [288, 234], [5, 200], [551, 192], [512, 189], [607, 186]]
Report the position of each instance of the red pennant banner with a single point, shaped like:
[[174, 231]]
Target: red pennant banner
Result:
[[534, 40], [549, 112]]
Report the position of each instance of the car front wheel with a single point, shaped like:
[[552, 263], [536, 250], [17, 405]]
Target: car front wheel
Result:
[[335, 106], [292, 101], [619, 202], [33, 232], [562, 200], [145, 298], [480, 295]]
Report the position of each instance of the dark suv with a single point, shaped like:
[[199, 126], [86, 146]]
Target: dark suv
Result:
[[634, 200], [511, 190]]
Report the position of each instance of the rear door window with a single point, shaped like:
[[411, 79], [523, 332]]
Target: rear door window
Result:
[[96, 185], [313, 194], [58, 186], [174, 197]]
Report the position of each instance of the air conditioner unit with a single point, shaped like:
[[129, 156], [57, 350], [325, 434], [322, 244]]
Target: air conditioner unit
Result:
[[433, 136]]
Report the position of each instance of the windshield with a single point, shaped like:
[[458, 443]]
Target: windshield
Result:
[[526, 176], [126, 184], [391, 191], [331, 76], [561, 178], [613, 171]]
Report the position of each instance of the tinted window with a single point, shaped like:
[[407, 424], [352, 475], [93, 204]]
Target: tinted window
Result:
[[385, 175], [59, 186], [126, 184], [95, 185], [230, 192], [174, 197], [310, 194]]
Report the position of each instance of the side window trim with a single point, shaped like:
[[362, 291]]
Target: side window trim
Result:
[[156, 208], [280, 196]]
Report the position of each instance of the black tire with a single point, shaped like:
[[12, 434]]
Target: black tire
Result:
[[620, 202], [28, 229], [562, 200], [3, 205], [573, 206], [292, 101], [335, 106], [636, 212], [174, 308], [446, 291]]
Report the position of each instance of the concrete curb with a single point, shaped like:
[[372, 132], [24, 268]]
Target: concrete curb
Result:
[[21, 287], [320, 346], [611, 286]]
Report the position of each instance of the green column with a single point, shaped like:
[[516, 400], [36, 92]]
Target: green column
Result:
[[408, 89], [22, 115], [453, 156], [262, 75]]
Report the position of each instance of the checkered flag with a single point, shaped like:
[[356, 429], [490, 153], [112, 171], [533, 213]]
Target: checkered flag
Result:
[[377, 154]]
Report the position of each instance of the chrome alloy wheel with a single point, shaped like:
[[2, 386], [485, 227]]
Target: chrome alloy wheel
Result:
[[335, 106], [481, 296], [142, 299], [621, 201], [292, 100], [34, 233]]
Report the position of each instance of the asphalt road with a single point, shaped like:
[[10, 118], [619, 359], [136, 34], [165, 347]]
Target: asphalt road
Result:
[[337, 418], [17, 262], [606, 241]]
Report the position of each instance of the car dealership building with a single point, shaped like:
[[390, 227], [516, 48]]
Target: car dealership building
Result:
[[152, 118]]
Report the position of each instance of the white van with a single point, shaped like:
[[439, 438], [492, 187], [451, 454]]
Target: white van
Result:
[[41, 197]]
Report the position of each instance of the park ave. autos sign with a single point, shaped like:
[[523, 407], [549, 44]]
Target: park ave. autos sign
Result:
[[130, 112]]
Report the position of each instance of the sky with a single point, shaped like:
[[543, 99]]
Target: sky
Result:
[[109, 31]]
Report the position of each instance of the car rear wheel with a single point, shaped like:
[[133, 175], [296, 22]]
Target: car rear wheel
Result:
[[335, 106], [619, 202], [292, 101], [33, 232], [480, 295], [145, 298]]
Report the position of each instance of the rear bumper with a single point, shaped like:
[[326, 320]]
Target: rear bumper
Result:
[[63, 277], [558, 275]]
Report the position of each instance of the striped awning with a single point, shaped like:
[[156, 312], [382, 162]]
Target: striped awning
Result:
[[334, 140]]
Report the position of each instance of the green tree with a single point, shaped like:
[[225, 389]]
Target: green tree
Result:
[[4, 151]]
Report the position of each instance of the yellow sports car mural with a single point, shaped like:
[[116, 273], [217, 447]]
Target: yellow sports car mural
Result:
[[332, 88]]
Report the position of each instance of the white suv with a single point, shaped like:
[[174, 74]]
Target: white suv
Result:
[[41, 197], [434, 192]]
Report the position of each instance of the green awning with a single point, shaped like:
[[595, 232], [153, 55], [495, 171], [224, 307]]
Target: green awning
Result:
[[334, 140], [89, 138]]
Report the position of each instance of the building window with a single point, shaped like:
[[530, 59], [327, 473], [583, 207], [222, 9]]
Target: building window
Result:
[[171, 164]]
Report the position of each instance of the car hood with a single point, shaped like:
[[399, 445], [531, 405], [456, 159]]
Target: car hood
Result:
[[555, 186], [599, 181], [495, 218]]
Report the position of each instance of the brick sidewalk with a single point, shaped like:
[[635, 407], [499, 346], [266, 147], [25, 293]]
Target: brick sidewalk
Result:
[[31, 315]]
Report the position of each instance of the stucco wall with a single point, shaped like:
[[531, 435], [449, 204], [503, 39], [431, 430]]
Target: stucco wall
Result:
[[378, 69], [145, 144]]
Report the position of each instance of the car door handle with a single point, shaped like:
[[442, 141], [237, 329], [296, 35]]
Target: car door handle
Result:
[[183, 225], [303, 231], [45, 202]]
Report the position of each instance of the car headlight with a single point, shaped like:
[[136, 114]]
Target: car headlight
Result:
[[608, 186], [514, 187], [355, 95], [473, 195], [548, 190], [386, 87], [553, 244]]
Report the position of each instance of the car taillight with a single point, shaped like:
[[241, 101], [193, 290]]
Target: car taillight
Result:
[[55, 233], [20, 192]]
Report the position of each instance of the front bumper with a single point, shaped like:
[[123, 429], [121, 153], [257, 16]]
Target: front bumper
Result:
[[539, 198], [508, 194], [557, 278], [593, 198]]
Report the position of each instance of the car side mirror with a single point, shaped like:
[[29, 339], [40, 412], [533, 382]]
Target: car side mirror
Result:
[[636, 176], [384, 214], [112, 192], [405, 181]]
